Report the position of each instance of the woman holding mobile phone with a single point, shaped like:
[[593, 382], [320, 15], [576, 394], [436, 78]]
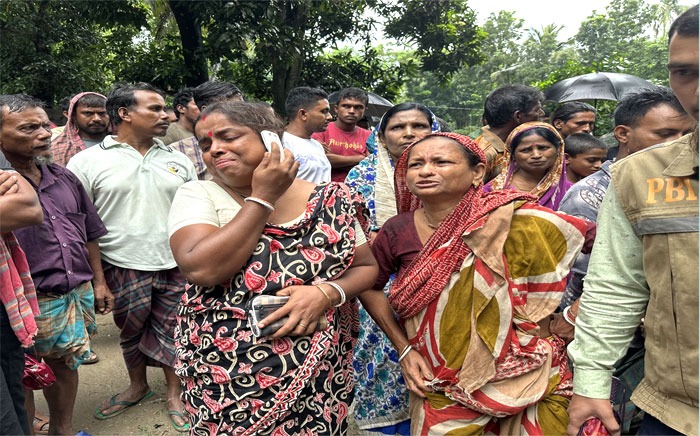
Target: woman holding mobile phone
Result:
[[255, 229]]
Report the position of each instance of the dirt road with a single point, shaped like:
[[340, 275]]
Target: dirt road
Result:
[[107, 377]]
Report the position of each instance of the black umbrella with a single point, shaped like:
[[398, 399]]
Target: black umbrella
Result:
[[375, 108], [595, 86]]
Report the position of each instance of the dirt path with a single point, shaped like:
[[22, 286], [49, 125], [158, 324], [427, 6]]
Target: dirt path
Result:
[[108, 376]]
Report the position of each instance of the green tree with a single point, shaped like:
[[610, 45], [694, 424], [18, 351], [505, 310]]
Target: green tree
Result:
[[443, 32], [52, 48]]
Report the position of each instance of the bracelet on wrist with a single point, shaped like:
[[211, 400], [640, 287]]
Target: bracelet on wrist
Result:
[[266, 204], [341, 292], [407, 349], [568, 317], [330, 302]]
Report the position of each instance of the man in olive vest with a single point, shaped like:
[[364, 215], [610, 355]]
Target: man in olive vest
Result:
[[645, 265]]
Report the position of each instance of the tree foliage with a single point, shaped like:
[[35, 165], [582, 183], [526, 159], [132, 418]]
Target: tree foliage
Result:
[[628, 37], [443, 31], [52, 48]]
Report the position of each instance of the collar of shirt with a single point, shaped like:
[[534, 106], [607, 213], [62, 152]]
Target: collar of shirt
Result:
[[111, 141]]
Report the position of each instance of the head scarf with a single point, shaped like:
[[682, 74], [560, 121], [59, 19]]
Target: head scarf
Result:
[[551, 189], [424, 279], [69, 143], [383, 180]]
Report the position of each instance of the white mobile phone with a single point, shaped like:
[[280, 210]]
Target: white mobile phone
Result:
[[268, 138]]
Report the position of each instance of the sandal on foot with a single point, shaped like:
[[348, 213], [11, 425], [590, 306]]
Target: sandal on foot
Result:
[[181, 428], [41, 426], [93, 358], [113, 402]]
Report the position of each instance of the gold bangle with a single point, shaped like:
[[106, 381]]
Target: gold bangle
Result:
[[326, 294]]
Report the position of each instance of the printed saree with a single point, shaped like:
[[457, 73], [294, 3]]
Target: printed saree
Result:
[[236, 384], [494, 374], [471, 302]]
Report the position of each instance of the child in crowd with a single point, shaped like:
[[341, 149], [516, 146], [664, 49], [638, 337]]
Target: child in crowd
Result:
[[584, 154]]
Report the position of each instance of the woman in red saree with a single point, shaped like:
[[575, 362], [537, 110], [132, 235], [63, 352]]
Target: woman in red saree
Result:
[[480, 275]]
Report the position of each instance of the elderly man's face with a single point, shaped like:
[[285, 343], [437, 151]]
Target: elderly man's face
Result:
[[25, 134]]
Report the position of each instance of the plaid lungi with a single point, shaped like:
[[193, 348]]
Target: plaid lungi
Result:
[[66, 323], [145, 304]]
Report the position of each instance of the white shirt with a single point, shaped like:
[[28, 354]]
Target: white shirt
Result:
[[132, 194], [314, 166]]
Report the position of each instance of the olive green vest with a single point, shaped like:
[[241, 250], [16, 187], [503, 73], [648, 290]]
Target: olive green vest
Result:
[[658, 190]]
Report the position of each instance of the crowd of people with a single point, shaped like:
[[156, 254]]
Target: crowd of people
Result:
[[412, 280]]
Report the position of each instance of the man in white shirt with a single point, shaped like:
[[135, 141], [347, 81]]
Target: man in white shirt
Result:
[[309, 112], [132, 178]]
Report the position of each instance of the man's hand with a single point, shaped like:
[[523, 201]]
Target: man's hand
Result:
[[104, 300], [8, 182], [583, 408]]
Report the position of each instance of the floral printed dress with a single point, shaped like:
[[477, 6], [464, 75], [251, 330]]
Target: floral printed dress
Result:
[[237, 384]]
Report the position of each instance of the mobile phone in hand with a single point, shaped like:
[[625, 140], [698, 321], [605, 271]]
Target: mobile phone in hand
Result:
[[269, 138]]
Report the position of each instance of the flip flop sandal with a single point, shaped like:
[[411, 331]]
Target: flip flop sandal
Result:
[[113, 402], [94, 358], [41, 426], [181, 428]]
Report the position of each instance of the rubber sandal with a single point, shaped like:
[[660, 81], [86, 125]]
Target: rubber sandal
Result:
[[181, 428], [82, 433], [41, 426], [94, 358], [113, 402]]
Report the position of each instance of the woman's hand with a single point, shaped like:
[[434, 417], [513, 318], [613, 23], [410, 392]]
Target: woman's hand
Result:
[[273, 177], [416, 371], [305, 307], [560, 327]]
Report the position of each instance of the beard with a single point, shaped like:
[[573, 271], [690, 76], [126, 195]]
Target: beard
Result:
[[44, 159]]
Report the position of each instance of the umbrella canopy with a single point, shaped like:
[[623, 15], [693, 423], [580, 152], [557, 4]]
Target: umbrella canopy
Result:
[[376, 106], [595, 86]]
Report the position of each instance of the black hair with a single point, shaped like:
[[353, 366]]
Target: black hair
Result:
[[302, 97], [355, 94], [91, 100], [402, 107], [182, 98], [566, 111], [686, 24], [64, 103], [578, 143], [502, 103], [211, 91], [547, 134], [123, 95], [256, 116], [17, 103], [444, 127], [635, 106]]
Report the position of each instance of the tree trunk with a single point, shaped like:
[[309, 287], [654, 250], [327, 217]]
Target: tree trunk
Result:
[[196, 70], [286, 68]]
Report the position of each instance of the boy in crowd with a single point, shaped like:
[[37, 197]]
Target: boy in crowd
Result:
[[584, 154]]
